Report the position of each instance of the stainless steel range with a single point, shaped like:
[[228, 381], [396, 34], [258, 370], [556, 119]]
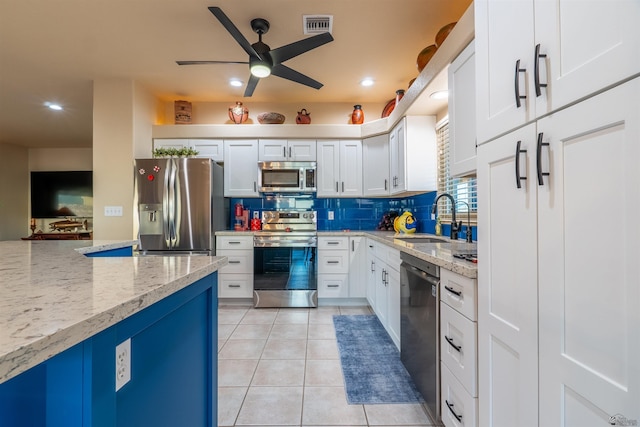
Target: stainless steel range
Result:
[[285, 261]]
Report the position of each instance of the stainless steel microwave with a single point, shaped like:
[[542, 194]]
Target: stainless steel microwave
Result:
[[287, 177]]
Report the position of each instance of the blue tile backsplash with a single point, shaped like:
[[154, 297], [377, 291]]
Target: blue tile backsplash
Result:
[[352, 214]]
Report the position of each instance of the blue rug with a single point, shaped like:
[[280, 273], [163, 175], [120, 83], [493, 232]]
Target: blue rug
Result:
[[371, 366]]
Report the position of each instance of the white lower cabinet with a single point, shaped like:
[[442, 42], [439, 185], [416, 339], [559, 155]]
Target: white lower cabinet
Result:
[[371, 273], [458, 349], [458, 408], [385, 272], [357, 267], [341, 267], [235, 280]]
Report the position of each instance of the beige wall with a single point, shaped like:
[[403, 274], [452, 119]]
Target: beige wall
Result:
[[14, 192], [122, 113], [60, 159]]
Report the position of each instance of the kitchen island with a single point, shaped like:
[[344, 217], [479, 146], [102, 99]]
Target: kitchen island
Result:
[[62, 314]]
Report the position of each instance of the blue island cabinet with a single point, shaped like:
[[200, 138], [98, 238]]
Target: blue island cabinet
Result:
[[173, 372]]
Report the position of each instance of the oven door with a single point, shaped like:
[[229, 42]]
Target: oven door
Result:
[[285, 276]]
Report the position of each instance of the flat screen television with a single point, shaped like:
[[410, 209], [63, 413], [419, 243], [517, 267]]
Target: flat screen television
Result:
[[62, 194]]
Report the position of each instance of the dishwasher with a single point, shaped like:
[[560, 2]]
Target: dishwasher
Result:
[[420, 328]]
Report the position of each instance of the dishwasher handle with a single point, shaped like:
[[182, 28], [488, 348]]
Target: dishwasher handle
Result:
[[431, 280]]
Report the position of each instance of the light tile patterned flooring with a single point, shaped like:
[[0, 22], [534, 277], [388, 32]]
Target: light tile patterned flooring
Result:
[[280, 367]]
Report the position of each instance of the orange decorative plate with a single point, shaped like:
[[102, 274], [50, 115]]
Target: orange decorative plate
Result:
[[388, 108]]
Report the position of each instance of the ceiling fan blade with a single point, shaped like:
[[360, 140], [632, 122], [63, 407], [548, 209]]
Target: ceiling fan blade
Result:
[[209, 62], [289, 51], [233, 30], [251, 86], [289, 74]]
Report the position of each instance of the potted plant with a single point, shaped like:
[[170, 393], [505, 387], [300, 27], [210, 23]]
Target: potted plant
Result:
[[175, 152]]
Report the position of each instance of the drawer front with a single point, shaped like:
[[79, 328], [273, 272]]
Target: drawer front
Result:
[[234, 242], [333, 286], [339, 243], [458, 347], [239, 262], [460, 293], [235, 286], [389, 255], [458, 408], [333, 262]]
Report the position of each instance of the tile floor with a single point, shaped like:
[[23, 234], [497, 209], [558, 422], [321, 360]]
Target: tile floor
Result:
[[280, 367]]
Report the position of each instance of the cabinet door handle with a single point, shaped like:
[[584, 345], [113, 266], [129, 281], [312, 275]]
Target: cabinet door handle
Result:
[[450, 406], [518, 177], [373, 266], [353, 246], [536, 70], [255, 187], [289, 152], [337, 186], [284, 152], [450, 341], [385, 184], [343, 186], [234, 286], [453, 291], [539, 159], [517, 84]]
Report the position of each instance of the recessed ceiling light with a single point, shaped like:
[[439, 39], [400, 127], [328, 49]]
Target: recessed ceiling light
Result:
[[235, 82], [367, 82], [441, 94], [53, 106]]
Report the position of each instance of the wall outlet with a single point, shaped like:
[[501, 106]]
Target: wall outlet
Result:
[[123, 363], [330, 215], [113, 211]]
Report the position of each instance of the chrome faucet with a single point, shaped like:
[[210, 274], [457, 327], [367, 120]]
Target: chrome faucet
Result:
[[467, 234], [455, 226]]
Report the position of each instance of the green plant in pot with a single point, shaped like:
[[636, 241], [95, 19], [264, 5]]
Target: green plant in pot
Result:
[[175, 152]]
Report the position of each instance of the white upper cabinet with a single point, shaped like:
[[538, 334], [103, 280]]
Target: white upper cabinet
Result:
[[278, 150], [375, 165], [462, 113], [208, 148], [544, 55], [339, 170], [413, 154], [241, 168]]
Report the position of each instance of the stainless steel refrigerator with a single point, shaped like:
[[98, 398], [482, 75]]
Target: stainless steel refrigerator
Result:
[[180, 204]]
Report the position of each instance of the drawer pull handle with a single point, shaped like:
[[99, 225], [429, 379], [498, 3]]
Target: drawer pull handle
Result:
[[450, 341], [450, 406], [234, 286], [234, 243], [333, 243], [333, 286], [333, 262], [453, 291], [234, 262]]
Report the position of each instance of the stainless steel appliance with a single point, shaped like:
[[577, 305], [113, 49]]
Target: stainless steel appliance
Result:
[[180, 204], [420, 328], [287, 177], [285, 261]]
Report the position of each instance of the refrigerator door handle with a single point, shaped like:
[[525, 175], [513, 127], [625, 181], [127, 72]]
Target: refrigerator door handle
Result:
[[172, 203], [177, 210], [166, 215]]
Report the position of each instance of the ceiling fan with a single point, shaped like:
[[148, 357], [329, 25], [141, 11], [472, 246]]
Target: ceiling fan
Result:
[[263, 60]]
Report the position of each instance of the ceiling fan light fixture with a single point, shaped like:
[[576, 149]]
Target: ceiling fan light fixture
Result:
[[259, 68]]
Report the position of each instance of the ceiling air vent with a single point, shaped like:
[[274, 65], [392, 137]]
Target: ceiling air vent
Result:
[[314, 24]]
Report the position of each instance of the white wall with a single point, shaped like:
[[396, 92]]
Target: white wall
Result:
[[14, 192]]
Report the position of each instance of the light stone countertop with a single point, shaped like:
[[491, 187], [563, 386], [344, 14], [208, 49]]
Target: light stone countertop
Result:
[[52, 296], [440, 254]]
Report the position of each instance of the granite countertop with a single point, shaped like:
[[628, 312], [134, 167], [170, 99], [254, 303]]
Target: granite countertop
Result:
[[440, 254], [53, 297]]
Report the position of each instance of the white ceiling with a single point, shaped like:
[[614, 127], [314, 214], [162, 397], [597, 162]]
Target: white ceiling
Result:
[[53, 50]]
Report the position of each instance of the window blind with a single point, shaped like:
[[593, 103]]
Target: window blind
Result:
[[463, 190]]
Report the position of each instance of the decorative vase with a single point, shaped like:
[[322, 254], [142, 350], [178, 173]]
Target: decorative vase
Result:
[[425, 56], [357, 117], [399, 95], [238, 113], [303, 117]]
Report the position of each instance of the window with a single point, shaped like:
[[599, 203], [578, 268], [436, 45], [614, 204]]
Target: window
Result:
[[462, 189]]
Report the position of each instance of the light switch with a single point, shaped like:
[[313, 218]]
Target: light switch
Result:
[[113, 211]]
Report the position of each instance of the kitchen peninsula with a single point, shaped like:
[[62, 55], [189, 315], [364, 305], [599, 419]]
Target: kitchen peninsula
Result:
[[64, 311]]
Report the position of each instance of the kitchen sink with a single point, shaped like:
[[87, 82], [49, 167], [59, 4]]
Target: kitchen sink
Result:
[[421, 239]]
